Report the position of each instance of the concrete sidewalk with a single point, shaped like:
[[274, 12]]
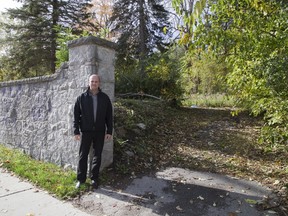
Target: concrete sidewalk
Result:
[[181, 192], [173, 191], [20, 198]]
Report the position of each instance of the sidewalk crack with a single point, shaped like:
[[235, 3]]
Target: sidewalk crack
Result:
[[20, 191]]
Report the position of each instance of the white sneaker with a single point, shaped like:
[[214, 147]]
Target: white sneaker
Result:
[[78, 184]]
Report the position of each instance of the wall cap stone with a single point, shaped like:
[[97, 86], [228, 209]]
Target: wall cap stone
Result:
[[38, 79], [92, 40]]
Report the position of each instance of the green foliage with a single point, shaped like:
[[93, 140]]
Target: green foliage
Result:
[[203, 73], [210, 100], [62, 53], [64, 35], [190, 11], [252, 37], [6, 74], [161, 80], [163, 76], [126, 77]]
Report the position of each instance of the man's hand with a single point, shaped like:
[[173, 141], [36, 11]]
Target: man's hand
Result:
[[108, 136], [77, 137]]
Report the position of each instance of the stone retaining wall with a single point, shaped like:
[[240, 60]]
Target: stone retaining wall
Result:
[[36, 114]]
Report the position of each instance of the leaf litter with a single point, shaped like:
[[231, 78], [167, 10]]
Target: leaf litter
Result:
[[200, 139]]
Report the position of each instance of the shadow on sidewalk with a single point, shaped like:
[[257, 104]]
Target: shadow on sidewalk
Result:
[[177, 191]]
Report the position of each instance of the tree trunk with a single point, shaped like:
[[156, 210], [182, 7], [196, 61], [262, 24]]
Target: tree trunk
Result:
[[142, 38], [55, 18]]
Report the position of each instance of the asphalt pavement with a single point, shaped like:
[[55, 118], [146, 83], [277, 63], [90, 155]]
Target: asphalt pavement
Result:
[[173, 191]]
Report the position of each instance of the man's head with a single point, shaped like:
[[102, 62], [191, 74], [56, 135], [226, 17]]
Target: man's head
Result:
[[94, 82]]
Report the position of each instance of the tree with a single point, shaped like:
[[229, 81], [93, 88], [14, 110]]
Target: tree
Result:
[[143, 27], [189, 11], [203, 73], [252, 37], [32, 39], [101, 12]]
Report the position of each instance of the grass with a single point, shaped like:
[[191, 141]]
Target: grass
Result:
[[213, 100], [47, 176]]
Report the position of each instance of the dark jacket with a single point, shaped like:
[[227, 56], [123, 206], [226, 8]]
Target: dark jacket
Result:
[[84, 117]]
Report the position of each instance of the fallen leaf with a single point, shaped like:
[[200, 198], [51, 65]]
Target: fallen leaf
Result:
[[251, 201], [272, 212], [200, 197], [179, 208]]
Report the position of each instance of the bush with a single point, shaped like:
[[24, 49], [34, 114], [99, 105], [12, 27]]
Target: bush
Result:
[[161, 76]]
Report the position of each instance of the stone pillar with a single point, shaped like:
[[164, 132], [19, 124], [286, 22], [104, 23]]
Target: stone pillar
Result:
[[91, 55]]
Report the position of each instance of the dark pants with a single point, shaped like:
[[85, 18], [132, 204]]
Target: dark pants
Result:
[[97, 140]]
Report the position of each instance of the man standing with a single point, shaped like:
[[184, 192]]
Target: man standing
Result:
[[93, 118]]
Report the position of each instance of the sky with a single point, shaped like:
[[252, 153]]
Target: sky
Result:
[[8, 4]]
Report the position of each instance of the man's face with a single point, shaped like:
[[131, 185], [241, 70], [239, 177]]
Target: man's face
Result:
[[94, 82]]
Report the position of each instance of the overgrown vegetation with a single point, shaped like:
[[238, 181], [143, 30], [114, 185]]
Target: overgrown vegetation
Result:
[[244, 34], [162, 78], [209, 100]]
